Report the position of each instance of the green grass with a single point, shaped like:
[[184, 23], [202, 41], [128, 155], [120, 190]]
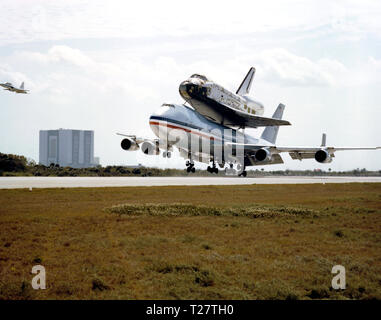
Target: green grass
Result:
[[207, 242], [184, 209]]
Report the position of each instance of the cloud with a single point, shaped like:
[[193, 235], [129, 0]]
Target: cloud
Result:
[[41, 20], [292, 70], [65, 71], [15, 77], [375, 62], [155, 80], [59, 54], [69, 55], [284, 68]]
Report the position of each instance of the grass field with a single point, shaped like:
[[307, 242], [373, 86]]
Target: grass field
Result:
[[209, 242]]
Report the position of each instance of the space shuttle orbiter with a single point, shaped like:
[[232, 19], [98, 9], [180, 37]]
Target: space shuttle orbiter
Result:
[[225, 107]]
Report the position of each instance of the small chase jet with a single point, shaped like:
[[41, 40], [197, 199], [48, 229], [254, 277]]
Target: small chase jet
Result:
[[8, 86], [212, 130]]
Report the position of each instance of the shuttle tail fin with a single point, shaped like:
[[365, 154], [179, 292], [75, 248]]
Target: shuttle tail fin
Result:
[[245, 86], [270, 133], [22, 86]]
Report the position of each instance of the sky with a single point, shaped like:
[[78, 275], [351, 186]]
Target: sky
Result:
[[108, 65]]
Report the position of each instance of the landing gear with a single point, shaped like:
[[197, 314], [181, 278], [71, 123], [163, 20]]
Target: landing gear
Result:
[[212, 169], [230, 171], [243, 173], [191, 169], [167, 154], [190, 166]]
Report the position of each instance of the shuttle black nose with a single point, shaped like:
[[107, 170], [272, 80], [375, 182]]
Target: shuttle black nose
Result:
[[185, 89], [188, 90]]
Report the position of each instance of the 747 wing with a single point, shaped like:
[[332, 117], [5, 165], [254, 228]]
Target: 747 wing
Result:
[[322, 154]]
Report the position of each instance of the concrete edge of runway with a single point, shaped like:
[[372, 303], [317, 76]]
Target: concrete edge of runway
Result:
[[89, 182]]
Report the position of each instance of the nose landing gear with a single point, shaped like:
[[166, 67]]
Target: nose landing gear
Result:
[[243, 173]]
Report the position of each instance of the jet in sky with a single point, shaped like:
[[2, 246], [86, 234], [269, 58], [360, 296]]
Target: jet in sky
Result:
[[8, 86], [211, 130]]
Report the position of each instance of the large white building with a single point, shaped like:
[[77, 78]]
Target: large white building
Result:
[[68, 148]]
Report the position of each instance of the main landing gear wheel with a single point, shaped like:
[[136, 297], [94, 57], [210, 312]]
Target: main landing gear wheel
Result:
[[167, 154], [212, 169], [243, 173], [190, 166]]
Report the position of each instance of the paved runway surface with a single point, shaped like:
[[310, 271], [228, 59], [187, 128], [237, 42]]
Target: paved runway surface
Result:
[[71, 182]]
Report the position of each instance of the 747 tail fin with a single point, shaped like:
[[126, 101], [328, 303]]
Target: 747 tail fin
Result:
[[270, 133]]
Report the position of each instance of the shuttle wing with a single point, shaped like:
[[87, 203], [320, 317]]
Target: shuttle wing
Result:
[[239, 118]]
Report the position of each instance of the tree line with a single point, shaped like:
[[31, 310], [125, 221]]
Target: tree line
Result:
[[15, 165]]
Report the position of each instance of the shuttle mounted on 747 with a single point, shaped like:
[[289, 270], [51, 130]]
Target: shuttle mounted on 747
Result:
[[211, 130]]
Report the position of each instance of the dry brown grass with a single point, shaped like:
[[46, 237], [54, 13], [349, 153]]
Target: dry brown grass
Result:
[[250, 242]]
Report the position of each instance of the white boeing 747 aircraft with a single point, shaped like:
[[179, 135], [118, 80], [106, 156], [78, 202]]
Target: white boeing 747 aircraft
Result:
[[8, 86], [205, 132]]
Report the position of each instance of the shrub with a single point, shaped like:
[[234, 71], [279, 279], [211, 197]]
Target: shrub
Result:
[[12, 163]]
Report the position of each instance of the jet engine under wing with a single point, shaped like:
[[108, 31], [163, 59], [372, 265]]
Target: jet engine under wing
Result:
[[236, 117], [149, 146]]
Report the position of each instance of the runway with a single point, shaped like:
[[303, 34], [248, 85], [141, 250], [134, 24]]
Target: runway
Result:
[[74, 182]]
